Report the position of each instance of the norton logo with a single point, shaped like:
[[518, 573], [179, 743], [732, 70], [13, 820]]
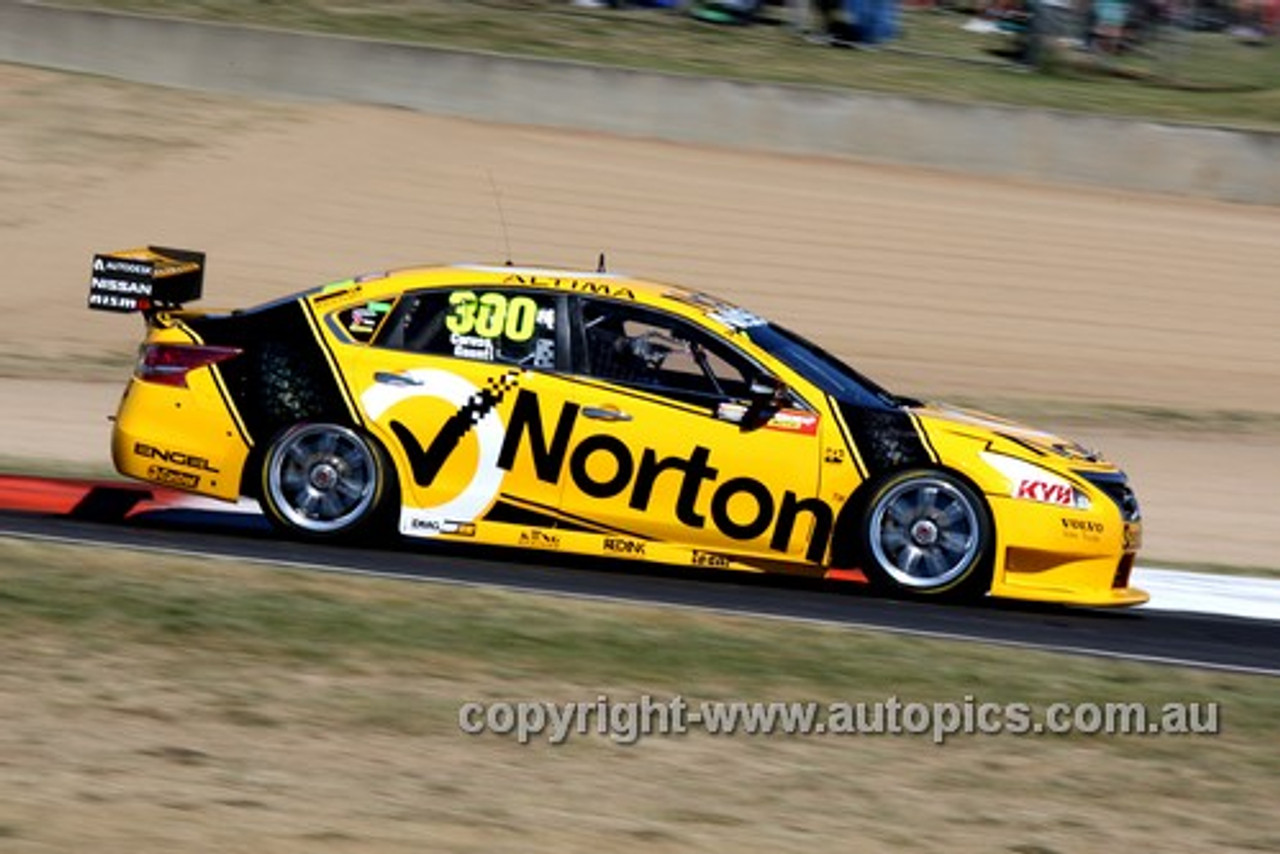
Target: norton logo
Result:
[[692, 473], [689, 478]]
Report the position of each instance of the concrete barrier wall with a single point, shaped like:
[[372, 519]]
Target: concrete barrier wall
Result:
[[1024, 143]]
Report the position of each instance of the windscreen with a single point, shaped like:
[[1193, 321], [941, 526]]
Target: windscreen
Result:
[[821, 368]]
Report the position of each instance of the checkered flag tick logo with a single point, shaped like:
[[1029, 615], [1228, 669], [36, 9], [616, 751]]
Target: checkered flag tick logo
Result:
[[503, 384], [427, 464]]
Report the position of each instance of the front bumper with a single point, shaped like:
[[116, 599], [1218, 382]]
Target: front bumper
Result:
[[1047, 553]]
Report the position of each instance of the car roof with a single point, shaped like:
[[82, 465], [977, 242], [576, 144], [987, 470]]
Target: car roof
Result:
[[546, 278], [588, 283]]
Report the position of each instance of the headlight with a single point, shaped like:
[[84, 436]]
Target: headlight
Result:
[[1116, 487], [1030, 482]]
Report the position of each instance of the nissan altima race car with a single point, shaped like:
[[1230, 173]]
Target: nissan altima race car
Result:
[[593, 413]]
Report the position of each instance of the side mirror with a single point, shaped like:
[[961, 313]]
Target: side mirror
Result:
[[766, 394], [768, 391]]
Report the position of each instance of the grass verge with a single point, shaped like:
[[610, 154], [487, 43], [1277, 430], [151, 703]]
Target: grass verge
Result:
[[165, 700]]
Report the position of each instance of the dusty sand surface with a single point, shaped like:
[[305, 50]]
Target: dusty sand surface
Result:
[[938, 285], [241, 763]]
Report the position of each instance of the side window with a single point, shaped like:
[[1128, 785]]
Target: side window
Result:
[[659, 352], [481, 324], [363, 321]]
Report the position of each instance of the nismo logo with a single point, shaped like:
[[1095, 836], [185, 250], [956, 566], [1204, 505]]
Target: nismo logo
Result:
[[693, 478]]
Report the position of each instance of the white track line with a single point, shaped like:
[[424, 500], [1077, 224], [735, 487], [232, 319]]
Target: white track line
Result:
[[1203, 593]]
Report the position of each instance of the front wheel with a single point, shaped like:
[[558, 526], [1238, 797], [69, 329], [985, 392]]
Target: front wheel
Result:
[[927, 534], [325, 480]]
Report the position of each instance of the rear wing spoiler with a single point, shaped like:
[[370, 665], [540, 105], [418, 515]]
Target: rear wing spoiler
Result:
[[146, 279]]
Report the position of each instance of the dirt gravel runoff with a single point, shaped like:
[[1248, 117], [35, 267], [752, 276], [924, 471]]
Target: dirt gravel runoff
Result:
[[1090, 305]]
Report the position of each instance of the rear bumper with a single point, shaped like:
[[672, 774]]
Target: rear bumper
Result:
[[181, 438]]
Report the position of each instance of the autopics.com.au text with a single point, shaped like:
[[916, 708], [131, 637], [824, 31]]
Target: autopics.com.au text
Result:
[[629, 721]]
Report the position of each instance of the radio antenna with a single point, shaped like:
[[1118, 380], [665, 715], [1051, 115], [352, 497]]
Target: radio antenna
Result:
[[502, 218]]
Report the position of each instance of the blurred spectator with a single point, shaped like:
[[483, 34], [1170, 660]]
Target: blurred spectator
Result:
[[1109, 21], [618, 4], [991, 15], [849, 23], [819, 21], [726, 11], [1255, 20], [873, 21]]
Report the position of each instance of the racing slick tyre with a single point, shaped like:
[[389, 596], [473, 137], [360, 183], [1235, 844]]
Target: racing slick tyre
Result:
[[927, 534], [327, 481]]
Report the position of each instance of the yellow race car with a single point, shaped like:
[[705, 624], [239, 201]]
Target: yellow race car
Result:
[[598, 414]]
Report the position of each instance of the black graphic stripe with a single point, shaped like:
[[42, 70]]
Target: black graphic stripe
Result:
[[339, 380], [507, 512], [924, 437], [843, 429], [887, 439], [220, 384], [1023, 444], [552, 518]]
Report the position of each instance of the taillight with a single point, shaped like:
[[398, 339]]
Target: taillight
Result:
[[168, 364]]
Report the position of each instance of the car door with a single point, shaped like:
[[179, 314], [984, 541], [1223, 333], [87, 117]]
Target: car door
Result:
[[666, 445], [437, 383]]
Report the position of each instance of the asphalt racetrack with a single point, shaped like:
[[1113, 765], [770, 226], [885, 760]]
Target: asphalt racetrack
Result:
[[1199, 640]]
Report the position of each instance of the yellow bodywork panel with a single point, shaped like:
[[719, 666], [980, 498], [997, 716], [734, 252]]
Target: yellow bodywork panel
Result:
[[182, 437]]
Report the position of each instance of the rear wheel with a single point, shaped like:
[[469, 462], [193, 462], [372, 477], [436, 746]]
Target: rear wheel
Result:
[[325, 480], [927, 534]]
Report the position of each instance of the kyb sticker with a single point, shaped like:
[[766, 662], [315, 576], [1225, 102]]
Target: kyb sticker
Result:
[[1033, 483]]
